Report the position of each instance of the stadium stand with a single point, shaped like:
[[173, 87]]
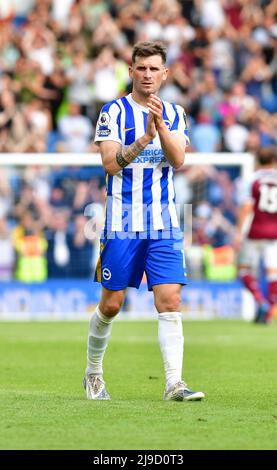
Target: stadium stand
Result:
[[60, 61]]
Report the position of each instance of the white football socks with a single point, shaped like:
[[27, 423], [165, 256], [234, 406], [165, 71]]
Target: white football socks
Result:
[[170, 335], [100, 328]]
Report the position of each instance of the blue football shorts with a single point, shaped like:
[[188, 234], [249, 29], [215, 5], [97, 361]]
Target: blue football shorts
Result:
[[123, 261]]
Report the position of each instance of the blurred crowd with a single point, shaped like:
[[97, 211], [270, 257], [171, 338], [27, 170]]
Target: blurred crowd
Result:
[[60, 61], [51, 218]]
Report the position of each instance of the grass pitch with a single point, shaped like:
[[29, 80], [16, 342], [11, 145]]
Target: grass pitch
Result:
[[43, 405]]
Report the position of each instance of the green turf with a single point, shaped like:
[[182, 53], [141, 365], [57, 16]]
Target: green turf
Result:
[[43, 406]]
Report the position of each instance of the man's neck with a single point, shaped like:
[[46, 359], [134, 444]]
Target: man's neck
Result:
[[140, 99]]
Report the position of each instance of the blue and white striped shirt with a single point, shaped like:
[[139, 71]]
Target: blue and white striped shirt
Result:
[[140, 197]]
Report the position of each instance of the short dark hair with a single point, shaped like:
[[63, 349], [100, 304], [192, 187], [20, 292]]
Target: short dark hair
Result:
[[147, 49], [267, 155]]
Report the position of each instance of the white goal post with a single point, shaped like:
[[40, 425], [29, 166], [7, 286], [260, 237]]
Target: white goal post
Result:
[[245, 160]]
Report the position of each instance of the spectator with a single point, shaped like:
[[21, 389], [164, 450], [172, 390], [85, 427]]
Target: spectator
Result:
[[210, 96], [110, 77], [211, 227], [81, 197], [38, 44], [234, 135], [79, 76], [222, 56], [75, 130], [9, 52], [59, 242], [241, 103], [30, 245], [60, 12], [205, 136], [81, 251], [24, 201], [56, 83], [211, 13]]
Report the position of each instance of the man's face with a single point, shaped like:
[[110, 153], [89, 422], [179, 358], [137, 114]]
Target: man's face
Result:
[[147, 74]]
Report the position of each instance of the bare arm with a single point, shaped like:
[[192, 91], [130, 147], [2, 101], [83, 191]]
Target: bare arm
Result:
[[115, 157], [173, 145]]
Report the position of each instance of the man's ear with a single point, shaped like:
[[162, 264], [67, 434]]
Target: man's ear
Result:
[[165, 74], [130, 71]]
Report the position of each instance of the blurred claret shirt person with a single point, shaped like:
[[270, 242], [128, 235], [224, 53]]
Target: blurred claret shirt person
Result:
[[256, 235]]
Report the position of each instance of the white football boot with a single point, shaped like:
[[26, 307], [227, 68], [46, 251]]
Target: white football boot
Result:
[[95, 388], [181, 392]]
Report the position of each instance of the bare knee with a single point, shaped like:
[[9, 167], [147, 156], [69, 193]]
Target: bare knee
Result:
[[111, 304], [172, 303]]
